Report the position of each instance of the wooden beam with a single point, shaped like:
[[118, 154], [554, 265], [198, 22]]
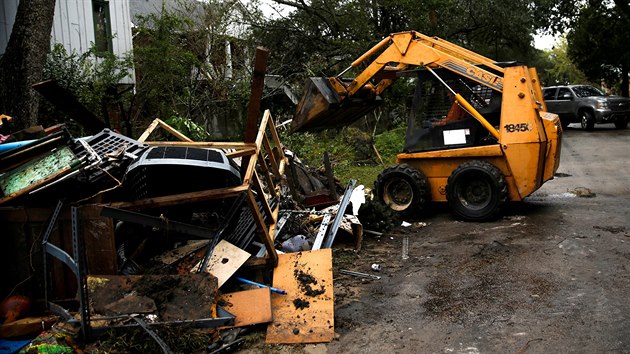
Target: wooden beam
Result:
[[184, 198], [258, 83], [263, 231], [203, 144], [174, 131], [149, 130]]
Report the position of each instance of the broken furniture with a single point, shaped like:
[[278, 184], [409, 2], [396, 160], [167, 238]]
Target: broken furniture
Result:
[[262, 168], [108, 291]]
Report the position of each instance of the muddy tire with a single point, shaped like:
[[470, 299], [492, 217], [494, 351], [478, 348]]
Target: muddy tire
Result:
[[403, 189], [476, 191], [621, 123], [587, 120]]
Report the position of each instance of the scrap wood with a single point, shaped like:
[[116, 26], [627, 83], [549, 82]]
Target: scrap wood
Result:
[[174, 255], [249, 307], [28, 326], [306, 314], [226, 259], [174, 297]]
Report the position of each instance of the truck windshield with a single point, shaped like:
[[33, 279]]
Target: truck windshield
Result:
[[587, 91]]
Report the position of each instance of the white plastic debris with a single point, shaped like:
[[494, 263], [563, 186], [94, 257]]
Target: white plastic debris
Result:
[[296, 244], [405, 224], [357, 198]]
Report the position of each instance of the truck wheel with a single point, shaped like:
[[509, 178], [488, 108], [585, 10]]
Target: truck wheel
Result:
[[403, 189], [476, 191], [587, 121], [621, 123]]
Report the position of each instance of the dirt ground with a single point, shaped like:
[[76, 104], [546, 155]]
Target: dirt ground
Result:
[[549, 277]]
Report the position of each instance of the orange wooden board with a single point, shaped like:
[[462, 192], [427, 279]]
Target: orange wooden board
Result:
[[306, 313], [249, 306]]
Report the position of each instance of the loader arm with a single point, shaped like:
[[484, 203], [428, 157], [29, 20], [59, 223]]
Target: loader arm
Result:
[[333, 101], [403, 50]]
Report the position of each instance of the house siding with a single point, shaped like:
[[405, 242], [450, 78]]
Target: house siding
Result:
[[73, 26]]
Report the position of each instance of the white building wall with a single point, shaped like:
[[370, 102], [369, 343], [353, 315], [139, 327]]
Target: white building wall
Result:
[[73, 26], [8, 9]]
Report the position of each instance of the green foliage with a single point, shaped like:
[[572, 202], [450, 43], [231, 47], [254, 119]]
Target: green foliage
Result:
[[86, 77], [189, 65], [343, 146], [188, 128], [563, 70], [598, 43]]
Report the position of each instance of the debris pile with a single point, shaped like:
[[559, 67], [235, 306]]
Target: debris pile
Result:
[[169, 236]]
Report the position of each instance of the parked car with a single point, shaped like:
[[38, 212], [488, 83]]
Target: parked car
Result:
[[587, 105]]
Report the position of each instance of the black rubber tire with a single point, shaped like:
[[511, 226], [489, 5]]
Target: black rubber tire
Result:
[[621, 123], [587, 121], [476, 191], [403, 189]]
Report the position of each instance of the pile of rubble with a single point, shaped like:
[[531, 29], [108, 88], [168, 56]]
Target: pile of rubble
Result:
[[167, 235]]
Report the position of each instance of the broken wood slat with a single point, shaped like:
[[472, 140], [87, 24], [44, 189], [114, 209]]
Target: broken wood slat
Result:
[[172, 256], [183, 198], [149, 130], [249, 307], [258, 84], [226, 259], [240, 153], [263, 199], [29, 326], [174, 131], [203, 144], [298, 317], [271, 157], [158, 122], [263, 232], [266, 173]]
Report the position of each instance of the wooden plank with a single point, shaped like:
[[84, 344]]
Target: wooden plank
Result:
[[149, 130], [263, 231], [244, 152], [184, 198], [271, 157], [258, 84], [303, 315], [174, 131], [203, 144], [261, 193], [226, 259], [249, 307], [171, 256]]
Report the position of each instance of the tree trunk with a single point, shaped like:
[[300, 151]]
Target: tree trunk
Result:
[[23, 61], [624, 81]]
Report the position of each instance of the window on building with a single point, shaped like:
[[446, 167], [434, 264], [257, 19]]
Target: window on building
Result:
[[102, 26]]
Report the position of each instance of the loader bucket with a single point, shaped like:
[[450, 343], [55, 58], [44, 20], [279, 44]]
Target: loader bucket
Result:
[[321, 107]]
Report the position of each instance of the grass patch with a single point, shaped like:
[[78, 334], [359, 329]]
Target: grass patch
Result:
[[351, 152]]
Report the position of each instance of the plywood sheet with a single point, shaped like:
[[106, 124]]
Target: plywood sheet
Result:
[[306, 313], [226, 259], [249, 307]]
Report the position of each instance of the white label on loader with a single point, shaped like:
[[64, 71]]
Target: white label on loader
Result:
[[457, 136]]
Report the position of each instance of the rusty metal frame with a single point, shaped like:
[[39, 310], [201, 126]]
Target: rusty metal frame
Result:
[[261, 175]]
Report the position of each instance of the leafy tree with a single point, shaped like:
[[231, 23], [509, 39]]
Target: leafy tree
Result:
[[193, 62], [599, 45], [597, 36], [89, 79], [563, 71], [22, 63]]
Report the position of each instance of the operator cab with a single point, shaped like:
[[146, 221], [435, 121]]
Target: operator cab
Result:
[[437, 122]]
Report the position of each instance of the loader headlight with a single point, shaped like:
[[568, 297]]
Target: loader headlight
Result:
[[601, 105]]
